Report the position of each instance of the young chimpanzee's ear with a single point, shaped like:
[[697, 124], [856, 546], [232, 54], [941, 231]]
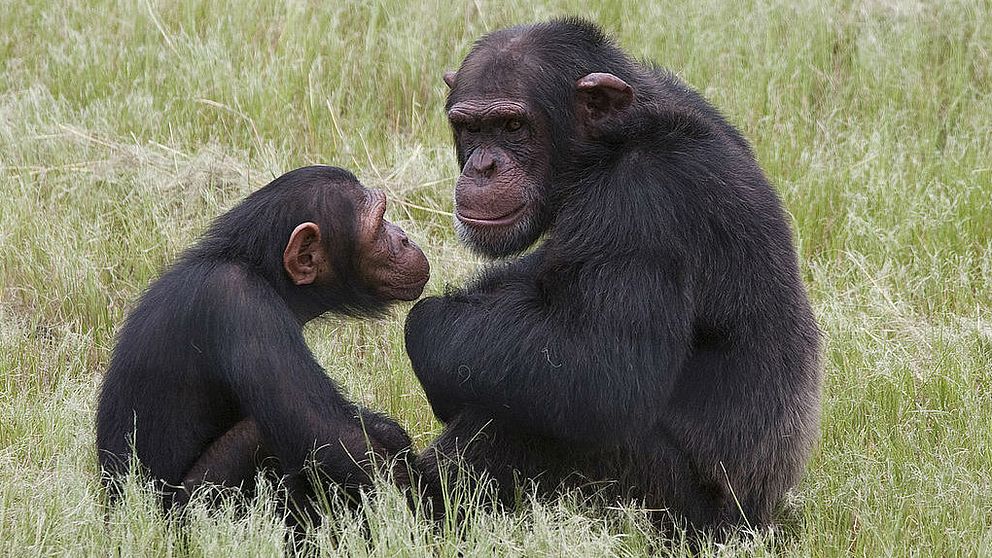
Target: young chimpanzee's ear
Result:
[[449, 78], [599, 95], [304, 257]]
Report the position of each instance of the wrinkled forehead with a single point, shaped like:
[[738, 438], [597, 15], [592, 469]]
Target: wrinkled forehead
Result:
[[374, 200]]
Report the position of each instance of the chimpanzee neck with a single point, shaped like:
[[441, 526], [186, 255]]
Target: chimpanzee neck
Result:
[[305, 303], [308, 302]]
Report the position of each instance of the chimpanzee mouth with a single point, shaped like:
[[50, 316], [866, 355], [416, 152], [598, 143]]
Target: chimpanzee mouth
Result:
[[408, 292], [502, 221]]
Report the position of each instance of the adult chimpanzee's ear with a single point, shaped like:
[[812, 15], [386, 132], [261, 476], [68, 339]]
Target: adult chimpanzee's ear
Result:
[[304, 255], [600, 94], [449, 78]]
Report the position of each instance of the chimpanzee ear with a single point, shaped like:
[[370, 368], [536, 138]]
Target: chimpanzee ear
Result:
[[599, 95], [303, 257], [449, 78]]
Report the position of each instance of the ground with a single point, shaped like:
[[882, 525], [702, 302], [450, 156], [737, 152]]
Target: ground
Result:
[[126, 126]]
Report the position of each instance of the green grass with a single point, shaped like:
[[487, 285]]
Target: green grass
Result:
[[126, 126]]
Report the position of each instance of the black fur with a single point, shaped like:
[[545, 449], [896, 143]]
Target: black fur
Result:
[[660, 337], [218, 338]]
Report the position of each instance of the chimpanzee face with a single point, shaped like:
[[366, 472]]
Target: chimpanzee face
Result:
[[391, 265], [503, 146], [503, 138]]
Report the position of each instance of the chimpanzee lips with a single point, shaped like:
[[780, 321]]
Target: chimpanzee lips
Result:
[[408, 291], [500, 221]]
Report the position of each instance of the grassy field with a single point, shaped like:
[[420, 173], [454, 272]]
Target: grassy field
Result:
[[126, 126]]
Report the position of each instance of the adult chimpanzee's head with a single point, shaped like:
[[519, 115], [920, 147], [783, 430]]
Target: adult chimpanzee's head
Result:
[[320, 238], [517, 104]]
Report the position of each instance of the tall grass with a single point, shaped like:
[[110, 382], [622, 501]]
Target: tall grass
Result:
[[126, 126]]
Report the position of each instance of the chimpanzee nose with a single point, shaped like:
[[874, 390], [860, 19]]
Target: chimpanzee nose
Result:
[[481, 164]]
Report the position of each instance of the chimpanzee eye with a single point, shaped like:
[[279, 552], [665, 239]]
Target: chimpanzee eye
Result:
[[513, 125], [472, 127]]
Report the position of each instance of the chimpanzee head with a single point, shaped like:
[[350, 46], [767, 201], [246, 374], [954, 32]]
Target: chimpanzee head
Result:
[[385, 261], [518, 104], [320, 238]]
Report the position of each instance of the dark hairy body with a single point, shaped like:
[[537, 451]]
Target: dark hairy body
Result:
[[659, 343], [211, 374]]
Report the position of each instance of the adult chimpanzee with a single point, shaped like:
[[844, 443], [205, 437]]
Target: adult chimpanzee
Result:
[[211, 372], [661, 336]]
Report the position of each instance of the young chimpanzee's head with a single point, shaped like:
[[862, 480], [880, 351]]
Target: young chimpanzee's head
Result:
[[320, 238], [517, 104]]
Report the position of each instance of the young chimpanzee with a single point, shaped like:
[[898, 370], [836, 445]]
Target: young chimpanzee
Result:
[[661, 337], [211, 373]]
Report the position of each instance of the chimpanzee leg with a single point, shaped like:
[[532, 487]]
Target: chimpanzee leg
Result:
[[666, 480], [231, 460]]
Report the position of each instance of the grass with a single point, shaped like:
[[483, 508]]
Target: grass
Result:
[[126, 126]]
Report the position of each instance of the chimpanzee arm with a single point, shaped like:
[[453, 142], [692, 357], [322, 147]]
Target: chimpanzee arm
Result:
[[384, 429], [427, 327], [578, 363], [265, 363], [499, 276]]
